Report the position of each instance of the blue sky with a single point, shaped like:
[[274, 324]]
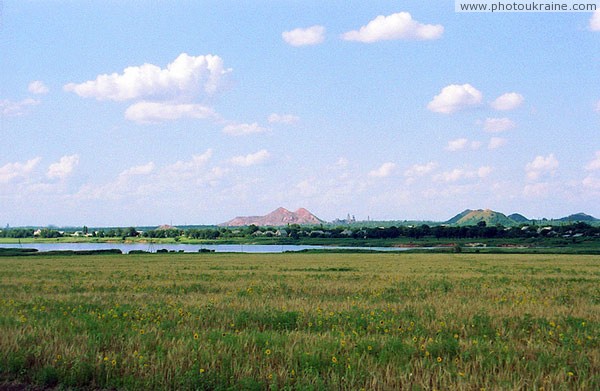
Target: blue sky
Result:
[[193, 112]]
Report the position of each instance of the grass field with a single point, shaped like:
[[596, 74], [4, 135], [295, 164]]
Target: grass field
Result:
[[301, 321]]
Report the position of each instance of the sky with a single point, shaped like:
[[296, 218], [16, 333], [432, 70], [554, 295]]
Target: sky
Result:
[[137, 113]]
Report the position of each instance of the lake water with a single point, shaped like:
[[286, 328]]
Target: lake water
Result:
[[189, 248]]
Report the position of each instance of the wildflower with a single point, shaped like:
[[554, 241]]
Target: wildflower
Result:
[[369, 347], [268, 352], [114, 362], [105, 358], [461, 374], [270, 376], [196, 336], [570, 373], [201, 370], [142, 331], [439, 359], [334, 360]]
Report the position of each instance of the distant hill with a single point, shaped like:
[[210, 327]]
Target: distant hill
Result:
[[459, 216], [518, 218], [579, 217], [472, 217], [279, 217]]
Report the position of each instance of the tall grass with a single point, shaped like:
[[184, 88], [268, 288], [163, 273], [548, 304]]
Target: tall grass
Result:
[[302, 321]]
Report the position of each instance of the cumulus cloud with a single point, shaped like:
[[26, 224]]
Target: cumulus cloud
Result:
[[496, 142], [394, 27], [457, 145], [304, 36], [250, 159], [483, 172], [420, 169], [595, 163], [287, 119], [455, 97], [197, 161], [144, 169], [63, 168], [508, 101], [591, 182], [243, 129], [37, 87], [497, 125], [462, 173], [152, 112], [186, 77], [541, 165], [14, 109], [537, 190], [383, 171], [462, 143], [595, 21], [11, 171]]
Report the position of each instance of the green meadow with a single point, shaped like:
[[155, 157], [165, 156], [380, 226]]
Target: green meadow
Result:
[[301, 321]]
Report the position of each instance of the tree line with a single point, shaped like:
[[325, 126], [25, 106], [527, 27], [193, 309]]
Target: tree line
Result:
[[294, 231]]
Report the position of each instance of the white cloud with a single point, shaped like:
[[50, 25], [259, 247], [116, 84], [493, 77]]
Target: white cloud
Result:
[[144, 169], [393, 27], [14, 109], [185, 78], [283, 119], [541, 165], [496, 142], [63, 168], [508, 101], [457, 145], [383, 171], [483, 172], [462, 143], [342, 162], [37, 87], [198, 161], [595, 21], [497, 125], [537, 190], [173, 181], [307, 187], [598, 106], [250, 159], [595, 163], [15, 170], [462, 173], [243, 129], [591, 182], [451, 176], [152, 112], [304, 36], [455, 97], [420, 169]]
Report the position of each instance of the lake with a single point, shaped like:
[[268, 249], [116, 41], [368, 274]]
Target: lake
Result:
[[153, 247]]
